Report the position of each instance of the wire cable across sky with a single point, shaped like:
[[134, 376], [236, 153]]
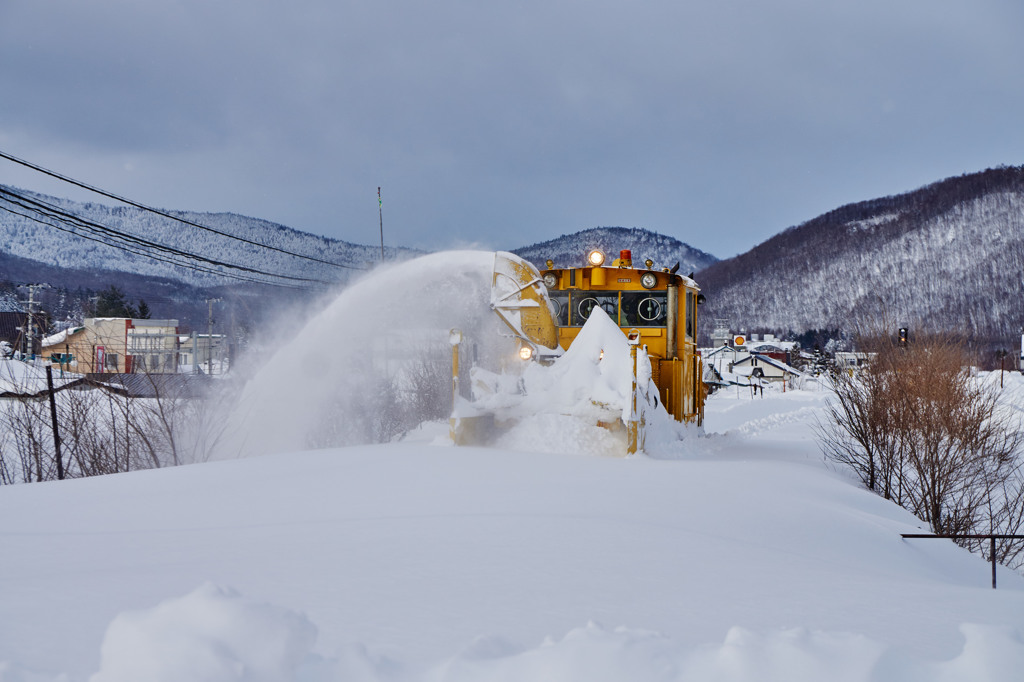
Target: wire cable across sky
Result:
[[48, 214], [171, 216]]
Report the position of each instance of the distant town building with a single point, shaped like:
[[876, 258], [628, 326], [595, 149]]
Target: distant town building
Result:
[[112, 345]]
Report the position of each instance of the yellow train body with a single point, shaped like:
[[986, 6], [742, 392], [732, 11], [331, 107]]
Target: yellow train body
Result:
[[660, 304]]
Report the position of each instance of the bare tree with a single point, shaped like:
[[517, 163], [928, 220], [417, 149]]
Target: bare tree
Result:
[[917, 428], [103, 429]]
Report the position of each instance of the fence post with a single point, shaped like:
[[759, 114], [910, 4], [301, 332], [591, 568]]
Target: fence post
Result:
[[991, 537], [992, 549]]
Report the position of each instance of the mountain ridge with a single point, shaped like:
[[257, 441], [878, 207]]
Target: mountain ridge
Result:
[[944, 257], [665, 251]]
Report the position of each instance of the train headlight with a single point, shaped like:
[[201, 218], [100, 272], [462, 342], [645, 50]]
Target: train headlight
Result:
[[648, 280], [550, 280], [596, 258], [525, 353]]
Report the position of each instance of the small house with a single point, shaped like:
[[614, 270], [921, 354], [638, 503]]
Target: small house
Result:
[[113, 345], [765, 367]]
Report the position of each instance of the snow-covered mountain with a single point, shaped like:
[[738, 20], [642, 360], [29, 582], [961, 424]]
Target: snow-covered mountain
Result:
[[52, 245], [948, 256], [569, 250], [46, 250]]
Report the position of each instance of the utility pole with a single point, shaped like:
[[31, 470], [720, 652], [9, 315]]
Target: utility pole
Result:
[[209, 336], [53, 418], [30, 326], [233, 343], [380, 211], [29, 336]]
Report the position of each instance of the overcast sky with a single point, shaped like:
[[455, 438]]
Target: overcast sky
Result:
[[719, 122]]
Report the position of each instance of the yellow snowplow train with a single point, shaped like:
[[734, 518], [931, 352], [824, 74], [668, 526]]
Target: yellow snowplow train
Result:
[[661, 304], [656, 309]]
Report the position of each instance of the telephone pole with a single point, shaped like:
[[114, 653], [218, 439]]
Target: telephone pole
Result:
[[30, 321], [209, 336], [380, 211]]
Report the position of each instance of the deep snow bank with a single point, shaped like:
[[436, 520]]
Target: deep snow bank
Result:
[[215, 635], [749, 558]]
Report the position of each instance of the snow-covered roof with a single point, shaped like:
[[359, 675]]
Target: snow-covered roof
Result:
[[774, 344], [724, 349], [768, 360], [60, 337], [19, 378]]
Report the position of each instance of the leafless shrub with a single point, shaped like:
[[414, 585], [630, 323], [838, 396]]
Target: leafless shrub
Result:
[[104, 430], [382, 401], [917, 428]]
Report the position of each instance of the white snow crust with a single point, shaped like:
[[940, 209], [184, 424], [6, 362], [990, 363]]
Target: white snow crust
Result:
[[748, 559], [733, 554], [21, 377]]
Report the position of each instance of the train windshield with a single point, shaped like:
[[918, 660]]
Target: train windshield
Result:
[[584, 302], [644, 309], [560, 302], [627, 309]]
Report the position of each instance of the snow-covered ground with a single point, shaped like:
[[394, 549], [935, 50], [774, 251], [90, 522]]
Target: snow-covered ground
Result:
[[735, 555], [748, 559], [18, 377]]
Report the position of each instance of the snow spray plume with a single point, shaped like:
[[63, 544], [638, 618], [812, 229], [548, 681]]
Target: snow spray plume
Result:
[[375, 362]]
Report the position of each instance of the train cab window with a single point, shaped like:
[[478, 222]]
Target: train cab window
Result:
[[560, 302], [690, 311], [583, 303], [644, 309]]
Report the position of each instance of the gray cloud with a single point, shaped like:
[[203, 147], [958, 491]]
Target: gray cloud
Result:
[[720, 123]]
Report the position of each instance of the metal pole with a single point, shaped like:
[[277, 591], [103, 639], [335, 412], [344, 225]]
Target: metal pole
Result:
[[380, 211], [635, 426], [455, 339], [29, 335], [209, 337], [991, 537], [53, 417], [992, 548]]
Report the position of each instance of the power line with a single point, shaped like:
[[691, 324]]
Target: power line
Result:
[[50, 211], [131, 243], [197, 268], [165, 214]]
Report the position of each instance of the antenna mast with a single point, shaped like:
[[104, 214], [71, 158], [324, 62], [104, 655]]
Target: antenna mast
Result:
[[380, 211]]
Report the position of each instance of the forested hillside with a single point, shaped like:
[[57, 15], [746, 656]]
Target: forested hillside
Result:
[[949, 256]]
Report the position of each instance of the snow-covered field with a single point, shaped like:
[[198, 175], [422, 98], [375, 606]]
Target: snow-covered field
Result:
[[747, 559], [736, 555]]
